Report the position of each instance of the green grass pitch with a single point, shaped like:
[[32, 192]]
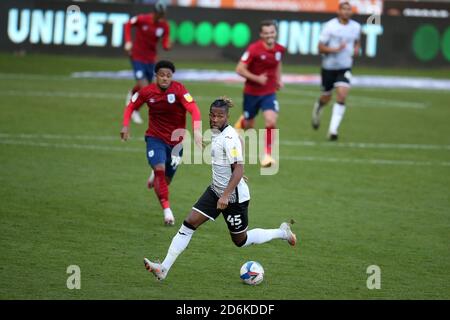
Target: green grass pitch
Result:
[[72, 193]]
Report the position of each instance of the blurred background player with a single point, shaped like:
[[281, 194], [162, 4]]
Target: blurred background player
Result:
[[339, 42], [260, 65], [167, 101], [143, 49], [228, 194]]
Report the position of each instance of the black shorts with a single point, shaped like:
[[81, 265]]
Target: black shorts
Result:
[[235, 215], [335, 78]]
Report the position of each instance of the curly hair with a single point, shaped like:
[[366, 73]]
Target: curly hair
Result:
[[222, 102]]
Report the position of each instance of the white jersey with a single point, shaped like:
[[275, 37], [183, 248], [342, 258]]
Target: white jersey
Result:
[[332, 35], [226, 150]]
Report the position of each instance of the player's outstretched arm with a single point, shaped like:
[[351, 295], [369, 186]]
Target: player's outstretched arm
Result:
[[191, 107], [166, 43], [136, 101], [128, 41]]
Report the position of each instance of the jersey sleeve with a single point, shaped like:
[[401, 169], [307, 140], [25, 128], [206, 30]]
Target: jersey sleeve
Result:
[[248, 56], [233, 149], [166, 36], [134, 21], [190, 105], [325, 34], [137, 100]]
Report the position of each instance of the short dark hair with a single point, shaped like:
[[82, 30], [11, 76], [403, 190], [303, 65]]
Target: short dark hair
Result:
[[165, 64], [343, 3], [267, 23], [222, 102]]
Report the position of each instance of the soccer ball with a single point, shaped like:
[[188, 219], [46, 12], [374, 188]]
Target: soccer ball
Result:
[[252, 273]]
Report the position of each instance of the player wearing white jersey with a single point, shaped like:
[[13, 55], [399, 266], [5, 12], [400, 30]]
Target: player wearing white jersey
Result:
[[228, 195], [339, 43]]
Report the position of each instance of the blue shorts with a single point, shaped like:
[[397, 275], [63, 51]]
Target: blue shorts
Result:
[[143, 70], [252, 104], [159, 152]]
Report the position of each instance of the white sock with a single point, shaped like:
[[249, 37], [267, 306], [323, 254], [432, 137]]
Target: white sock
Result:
[[179, 243], [258, 236], [336, 118]]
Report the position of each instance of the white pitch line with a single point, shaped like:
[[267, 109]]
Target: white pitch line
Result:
[[58, 137], [302, 102], [70, 146], [289, 158], [366, 145], [367, 161], [64, 94], [293, 143], [356, 99]]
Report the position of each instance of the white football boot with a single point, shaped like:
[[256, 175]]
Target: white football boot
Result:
[[156, 268], [169, 219], [290, 236]]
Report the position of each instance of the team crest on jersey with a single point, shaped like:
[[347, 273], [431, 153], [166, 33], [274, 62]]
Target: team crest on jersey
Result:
[[159, 32], [278, 56], [144, 28], [263, 57], [171, 98], [188, 97]]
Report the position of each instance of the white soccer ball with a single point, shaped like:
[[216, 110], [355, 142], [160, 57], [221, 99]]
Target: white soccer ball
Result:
[[252, 273]]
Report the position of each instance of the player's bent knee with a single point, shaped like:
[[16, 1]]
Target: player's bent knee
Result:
[[239, 241], [195, 220]]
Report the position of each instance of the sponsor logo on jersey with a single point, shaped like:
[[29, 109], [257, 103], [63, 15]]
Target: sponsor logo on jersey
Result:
[[145, 27], [171, 98], [188, 97], [263, 57]]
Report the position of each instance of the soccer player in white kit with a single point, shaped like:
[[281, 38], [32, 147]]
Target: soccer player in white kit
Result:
[[228, 195], [339, 42]]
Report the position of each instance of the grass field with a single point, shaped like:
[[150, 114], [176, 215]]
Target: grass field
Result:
[[72, 193]]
